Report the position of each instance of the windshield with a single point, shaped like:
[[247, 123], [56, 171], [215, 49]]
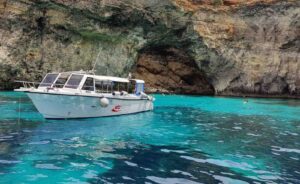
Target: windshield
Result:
[[60, 82], [74, 81], [48, 80]]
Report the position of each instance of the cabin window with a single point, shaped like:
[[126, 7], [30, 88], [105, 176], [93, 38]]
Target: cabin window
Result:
[[74, 81], [131, 86], [107, 86], [123, 86], [48, 80], [103, 86], [119, 86], [98, 86], [89, 84]]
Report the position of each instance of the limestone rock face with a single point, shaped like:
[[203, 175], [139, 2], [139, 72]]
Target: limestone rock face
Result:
[[229, 47], [42, 36], [251, 50], [171, 71]]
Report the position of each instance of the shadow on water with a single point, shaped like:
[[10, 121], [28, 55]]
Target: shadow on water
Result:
[[15, 127], [12, 135], [166, 164]]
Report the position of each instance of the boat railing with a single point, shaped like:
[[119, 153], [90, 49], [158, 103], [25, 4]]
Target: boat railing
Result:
[[27, 84]]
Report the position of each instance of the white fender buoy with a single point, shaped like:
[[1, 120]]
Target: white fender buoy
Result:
[[104, 102]]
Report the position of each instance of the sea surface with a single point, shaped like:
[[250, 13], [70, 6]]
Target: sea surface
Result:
[[186, 139]]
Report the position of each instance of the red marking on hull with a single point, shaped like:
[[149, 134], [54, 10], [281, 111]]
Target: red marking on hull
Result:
[[117, 108]]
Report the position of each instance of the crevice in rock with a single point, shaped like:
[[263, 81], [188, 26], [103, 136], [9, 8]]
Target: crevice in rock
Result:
[[41, 26], [171, 70]]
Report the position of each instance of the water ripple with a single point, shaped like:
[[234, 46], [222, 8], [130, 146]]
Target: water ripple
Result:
[[186, 139]]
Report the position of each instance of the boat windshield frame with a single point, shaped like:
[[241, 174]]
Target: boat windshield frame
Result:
[[77, 82], [52, 81]]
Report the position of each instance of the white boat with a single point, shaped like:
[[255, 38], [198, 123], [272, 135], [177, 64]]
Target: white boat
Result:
[[85, 95]]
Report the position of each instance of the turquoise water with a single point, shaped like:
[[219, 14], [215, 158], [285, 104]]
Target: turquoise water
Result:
[[186, 139]]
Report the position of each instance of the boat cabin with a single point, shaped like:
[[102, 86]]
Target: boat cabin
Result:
[[92, 83]]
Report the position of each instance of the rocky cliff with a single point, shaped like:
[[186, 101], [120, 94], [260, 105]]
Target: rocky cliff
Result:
[[226, 47]]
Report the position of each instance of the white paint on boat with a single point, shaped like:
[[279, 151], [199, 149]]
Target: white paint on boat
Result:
[[53, 105], [76, 99]]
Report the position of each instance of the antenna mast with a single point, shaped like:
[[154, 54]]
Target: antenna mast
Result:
[[96, 61]]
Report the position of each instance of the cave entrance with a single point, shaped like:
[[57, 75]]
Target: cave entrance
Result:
[[170, 70]]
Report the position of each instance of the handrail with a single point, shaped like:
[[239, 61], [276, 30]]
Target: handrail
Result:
[[26, 82]]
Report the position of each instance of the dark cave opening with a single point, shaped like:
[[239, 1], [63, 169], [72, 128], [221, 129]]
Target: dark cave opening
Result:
[[171, 70]]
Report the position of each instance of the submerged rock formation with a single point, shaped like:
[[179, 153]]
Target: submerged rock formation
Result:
[[229, 47]]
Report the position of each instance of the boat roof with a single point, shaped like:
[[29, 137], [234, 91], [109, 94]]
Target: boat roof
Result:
[[100, 77], [138, 81], [108, 78], [115, 79]]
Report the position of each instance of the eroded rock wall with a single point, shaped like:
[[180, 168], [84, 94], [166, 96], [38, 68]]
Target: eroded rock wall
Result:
[[59, 35], [251, 49], [237, 47], [170, 70], [42, 36]]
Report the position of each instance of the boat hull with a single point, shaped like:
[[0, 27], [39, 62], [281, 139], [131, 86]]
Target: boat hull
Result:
[[57, 106]]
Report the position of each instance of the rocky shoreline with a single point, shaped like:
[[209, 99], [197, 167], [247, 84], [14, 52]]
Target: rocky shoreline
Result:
[[206, 47]]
